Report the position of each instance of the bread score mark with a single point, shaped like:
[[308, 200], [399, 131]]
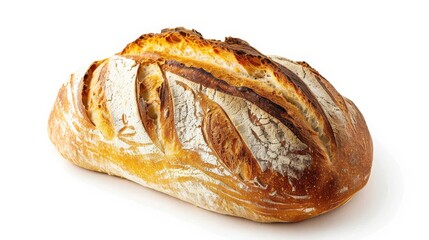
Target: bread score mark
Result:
[[271, 143], [206, 79], [149, 82]]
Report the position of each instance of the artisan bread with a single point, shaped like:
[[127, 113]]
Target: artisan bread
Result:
[[217, 124]]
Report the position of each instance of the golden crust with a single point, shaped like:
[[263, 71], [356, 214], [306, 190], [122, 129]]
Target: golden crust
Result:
[[339, 144]]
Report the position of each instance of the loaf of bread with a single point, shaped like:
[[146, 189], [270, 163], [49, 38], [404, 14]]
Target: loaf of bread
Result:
[[216, 124]]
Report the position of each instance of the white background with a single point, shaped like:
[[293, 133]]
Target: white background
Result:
[[373, 52]]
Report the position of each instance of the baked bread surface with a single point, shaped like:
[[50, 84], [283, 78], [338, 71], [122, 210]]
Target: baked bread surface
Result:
[[217, 124]]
